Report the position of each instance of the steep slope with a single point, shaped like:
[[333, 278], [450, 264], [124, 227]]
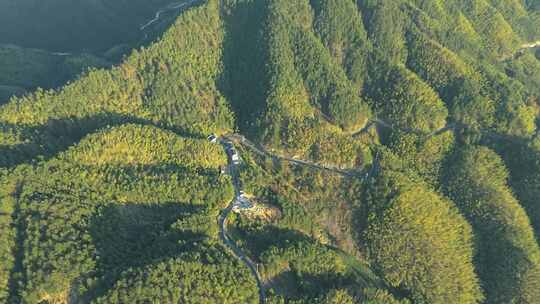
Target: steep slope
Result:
[[29, 69], [159, 85], [508, 258], [310, 102], [365, 163], [418, 240], [126, 211]]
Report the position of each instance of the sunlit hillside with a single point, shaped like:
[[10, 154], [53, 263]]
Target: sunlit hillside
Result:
[[283, 152]]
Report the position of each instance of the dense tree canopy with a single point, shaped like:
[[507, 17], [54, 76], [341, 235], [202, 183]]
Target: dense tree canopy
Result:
[[392, 153], [508, 257], [419, 242]]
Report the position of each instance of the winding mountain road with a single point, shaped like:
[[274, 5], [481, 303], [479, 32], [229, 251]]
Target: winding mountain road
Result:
[[222, 221], [259, 149], [168, 8], [387, 125], [522, 49], [351, 173]]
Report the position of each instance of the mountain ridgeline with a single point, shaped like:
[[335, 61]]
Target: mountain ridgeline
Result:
[[413, 123], [48, 44]]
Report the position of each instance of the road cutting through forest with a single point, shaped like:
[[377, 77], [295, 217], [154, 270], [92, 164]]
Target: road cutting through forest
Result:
[[222, 221]]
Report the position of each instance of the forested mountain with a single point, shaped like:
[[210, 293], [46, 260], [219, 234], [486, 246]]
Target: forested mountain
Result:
[[46, 44], [25, 70], [389, 149]]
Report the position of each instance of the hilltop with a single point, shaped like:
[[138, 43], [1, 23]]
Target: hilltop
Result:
[[396, 143]]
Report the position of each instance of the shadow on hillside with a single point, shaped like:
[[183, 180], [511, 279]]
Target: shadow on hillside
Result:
[[49, 68], [318, 284], [55, 136], [166, 169], [136, 235], [298, 285], [294, 282], [262, 239], [244, 81], [523, 163], [167, 19]]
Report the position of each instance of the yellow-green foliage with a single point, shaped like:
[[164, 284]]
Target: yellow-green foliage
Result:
[[508, 256], [117, 193], [438, 66], [432, 154], [7, 236], [305, 258], [338, 296], [191, 281], [526, 24], [429, 19], [308, 92], [424, 156], [511, 9], [300, 68], [333, 148], [497, 35], [386, 27], [181, 72], [379, 296], [476, 29], [288, 105], [514, 116], [11, 136], [327, 83], [339, 25], [464, 34], [523, 161], [97, 221], [108, 203], [171, 83], [410, 103], [525, 69], [522, 121], [99, 91], [420, 243], [475, 112], [435, 9], [131, 145]]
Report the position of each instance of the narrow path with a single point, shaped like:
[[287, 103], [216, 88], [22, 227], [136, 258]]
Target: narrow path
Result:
[[351, 173], [222, 221], [170, 7], [521, 50], [259, 149]]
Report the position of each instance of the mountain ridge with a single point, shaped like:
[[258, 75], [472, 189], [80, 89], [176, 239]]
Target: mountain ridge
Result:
[[111, 192]]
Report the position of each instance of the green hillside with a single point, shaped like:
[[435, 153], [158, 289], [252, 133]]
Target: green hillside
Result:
[[29, 69], [388, 150]]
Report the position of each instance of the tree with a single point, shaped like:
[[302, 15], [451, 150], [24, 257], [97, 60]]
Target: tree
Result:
[[418, 241], [508, 256]]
